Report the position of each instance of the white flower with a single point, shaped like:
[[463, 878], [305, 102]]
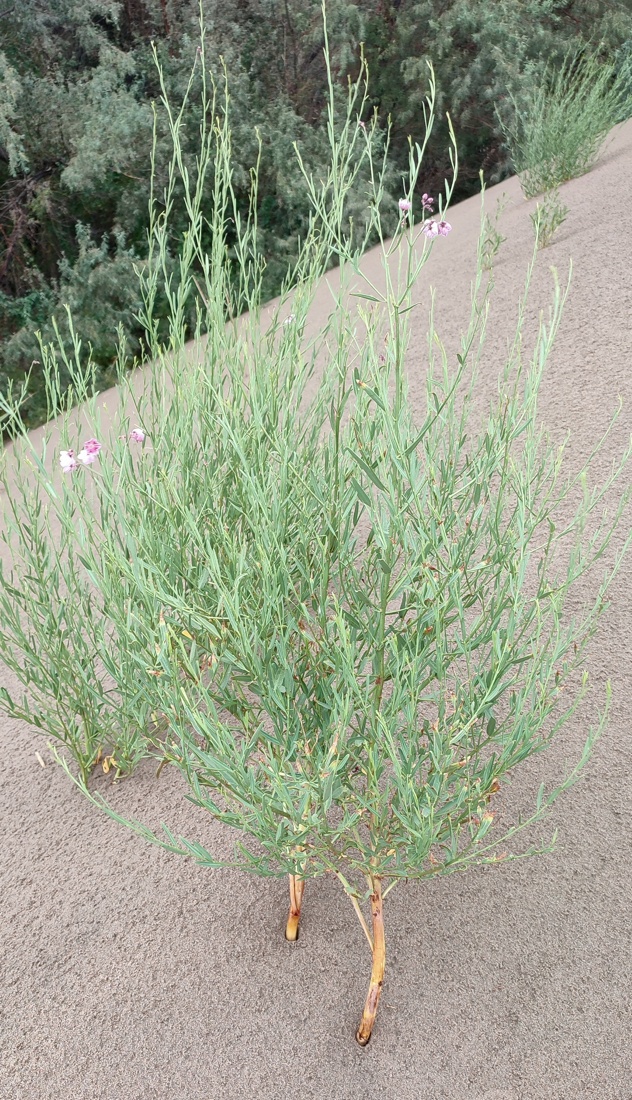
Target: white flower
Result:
[[67, 461]]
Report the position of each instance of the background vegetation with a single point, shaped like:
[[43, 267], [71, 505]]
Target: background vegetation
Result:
[[77, 87]]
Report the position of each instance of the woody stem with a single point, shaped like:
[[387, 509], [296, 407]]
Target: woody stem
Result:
[[363, 1034], [297, 885]]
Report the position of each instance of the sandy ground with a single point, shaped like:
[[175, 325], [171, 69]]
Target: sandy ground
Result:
[[130, 974]]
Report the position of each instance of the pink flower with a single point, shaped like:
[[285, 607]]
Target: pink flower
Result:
[[86, 458], [138, 435], [405, 205], [431, 230], [362, 124], [67, 461], [444, 228], [427, 201], [92, 447]]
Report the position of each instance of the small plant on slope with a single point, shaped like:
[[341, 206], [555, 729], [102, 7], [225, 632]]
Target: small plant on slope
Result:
[[345, 626], [492, 237], [547, 218]]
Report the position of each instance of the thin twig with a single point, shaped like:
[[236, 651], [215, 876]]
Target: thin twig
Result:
[[356, 906]]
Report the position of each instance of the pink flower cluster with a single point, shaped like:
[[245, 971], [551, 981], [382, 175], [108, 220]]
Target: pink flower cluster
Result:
[[69, 461], [434, 229], [430, 227], [427, 203]]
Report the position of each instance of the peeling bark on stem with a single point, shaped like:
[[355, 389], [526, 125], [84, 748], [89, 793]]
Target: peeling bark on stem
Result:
[[363, 1034], [297, 885]]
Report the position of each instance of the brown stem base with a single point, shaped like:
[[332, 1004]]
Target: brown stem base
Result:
[[297, 885], [363, 1034]]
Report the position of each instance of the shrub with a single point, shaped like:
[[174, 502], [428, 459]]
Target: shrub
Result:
[[343, 626], [563, 118]]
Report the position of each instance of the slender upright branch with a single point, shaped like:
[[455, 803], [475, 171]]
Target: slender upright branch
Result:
[[363, 1034], [356, 905], [297, 885]]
